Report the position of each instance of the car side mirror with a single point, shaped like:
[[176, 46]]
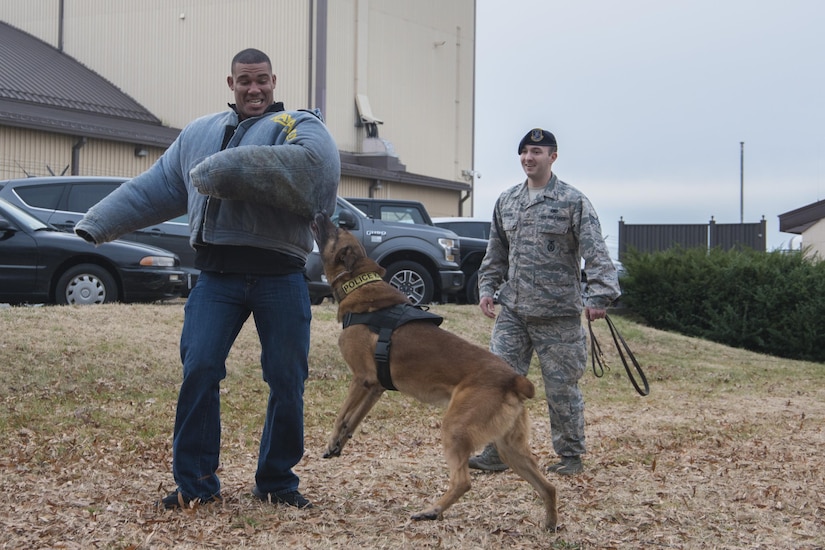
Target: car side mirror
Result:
[[346, 219], [6, 229]]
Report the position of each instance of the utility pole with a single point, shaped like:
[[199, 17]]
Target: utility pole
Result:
[[741, 182]]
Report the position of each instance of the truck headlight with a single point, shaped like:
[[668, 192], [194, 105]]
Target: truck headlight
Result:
[[450, 247]]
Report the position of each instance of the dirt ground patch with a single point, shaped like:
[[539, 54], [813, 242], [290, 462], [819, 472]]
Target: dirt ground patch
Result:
[[726, 452]]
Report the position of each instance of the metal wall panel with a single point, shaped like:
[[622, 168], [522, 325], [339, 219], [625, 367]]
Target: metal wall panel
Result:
[[648, 238], [340, 113], [728, 236], [109, 158], [420, 82], [173, 56], [25, 153], [36, 17], [653, 238], [353, 187], [414, 60]]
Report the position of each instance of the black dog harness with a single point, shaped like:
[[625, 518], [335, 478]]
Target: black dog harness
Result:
[[383, 322]]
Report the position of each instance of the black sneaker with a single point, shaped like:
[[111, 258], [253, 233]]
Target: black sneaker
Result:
[[175, 499], [291, 498]]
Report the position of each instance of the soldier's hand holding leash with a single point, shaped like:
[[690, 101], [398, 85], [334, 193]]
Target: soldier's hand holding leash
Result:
[[592, 313]]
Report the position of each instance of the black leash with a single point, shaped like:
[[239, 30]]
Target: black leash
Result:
[[597, 357]]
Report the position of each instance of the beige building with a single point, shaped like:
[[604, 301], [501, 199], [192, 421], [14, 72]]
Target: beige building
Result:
[[393, 78], [809, 222]]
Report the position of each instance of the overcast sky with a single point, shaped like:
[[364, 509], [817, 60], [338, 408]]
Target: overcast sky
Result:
[[649, 101]]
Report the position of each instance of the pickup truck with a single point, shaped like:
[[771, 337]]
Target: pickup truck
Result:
[[421, 260], [473, 234], [392, 210]]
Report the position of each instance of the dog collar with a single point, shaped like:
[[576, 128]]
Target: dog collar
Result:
[[358, 281]]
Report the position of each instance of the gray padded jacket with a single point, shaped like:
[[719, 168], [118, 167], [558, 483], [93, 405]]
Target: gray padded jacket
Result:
[[261, 190]]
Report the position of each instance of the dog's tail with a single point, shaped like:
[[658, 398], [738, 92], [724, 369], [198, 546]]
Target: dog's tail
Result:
[[524, 388]]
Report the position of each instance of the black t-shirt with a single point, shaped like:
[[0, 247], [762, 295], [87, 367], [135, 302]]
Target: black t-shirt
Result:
[[248, 260]]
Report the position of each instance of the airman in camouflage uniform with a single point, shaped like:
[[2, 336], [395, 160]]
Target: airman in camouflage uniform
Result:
[[542, 228]]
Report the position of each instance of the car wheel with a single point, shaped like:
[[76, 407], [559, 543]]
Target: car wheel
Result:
[[86, 284], [471, 288], [413, 280]]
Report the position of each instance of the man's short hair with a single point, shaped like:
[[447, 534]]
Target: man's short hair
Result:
[[250, 56]]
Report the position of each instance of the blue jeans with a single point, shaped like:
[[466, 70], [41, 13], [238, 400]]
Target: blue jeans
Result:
[[215, 312]]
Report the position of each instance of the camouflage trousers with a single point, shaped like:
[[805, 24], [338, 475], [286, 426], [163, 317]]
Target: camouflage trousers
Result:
[[561, 347]]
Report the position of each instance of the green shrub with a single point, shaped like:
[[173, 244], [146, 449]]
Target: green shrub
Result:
[[771, 302]]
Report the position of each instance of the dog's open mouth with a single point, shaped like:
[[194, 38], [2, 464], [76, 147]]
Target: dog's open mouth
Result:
[[321, 227]]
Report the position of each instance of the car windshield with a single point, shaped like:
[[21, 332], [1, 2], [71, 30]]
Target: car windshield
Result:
[[22, 217]]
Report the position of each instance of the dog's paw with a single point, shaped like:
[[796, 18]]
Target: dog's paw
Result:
[[331, 453], [431, 514]]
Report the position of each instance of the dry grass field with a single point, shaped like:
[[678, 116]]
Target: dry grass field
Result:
[[726, 452]]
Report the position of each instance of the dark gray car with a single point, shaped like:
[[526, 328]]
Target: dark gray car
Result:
[[41, 264], [63, 200]]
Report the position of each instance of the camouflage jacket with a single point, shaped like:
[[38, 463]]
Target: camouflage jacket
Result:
[[535, 250]]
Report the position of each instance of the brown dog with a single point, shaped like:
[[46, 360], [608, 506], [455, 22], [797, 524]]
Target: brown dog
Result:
[[483, 395]]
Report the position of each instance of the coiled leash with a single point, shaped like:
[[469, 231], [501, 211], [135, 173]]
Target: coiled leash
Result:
[[597, 357]]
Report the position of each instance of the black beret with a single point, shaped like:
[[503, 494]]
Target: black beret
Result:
[[537, 136]]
